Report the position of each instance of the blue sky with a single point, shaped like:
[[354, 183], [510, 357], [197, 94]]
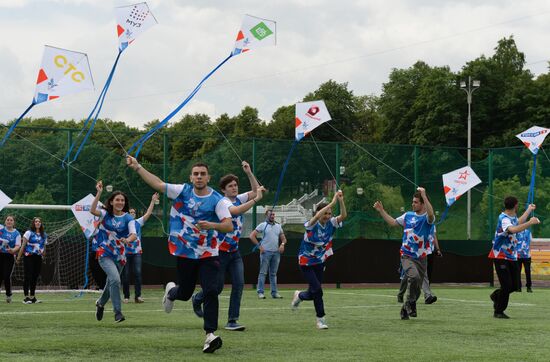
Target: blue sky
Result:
[[358, 42]]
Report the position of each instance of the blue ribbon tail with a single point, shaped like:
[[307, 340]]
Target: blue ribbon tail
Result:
[[444, 215], [139, 143], [280, 183], [7, 135]]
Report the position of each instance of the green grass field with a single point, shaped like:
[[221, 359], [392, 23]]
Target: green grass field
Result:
[[364, 325]]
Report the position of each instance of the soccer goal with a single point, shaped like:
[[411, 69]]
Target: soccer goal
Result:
[[67, 251]]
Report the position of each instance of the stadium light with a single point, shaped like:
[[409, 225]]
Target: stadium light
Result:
[[469, 87]]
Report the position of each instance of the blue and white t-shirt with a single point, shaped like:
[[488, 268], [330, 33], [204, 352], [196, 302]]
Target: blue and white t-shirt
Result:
[[35, 243], [431, 243], [186, 239], [416, 233], [110, 232], [8, 239], [316, 246], [504, 242], [135, 246], [230, 241], [524, 244]]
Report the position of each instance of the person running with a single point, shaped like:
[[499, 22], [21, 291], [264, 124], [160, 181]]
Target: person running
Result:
[[429, 297], [34, 249], [315, 249], [133, 254], [10, 243], [524, 258], [198, 213], [416, 225], [115, 231], [230, 257], [270, 252], [504, 252]]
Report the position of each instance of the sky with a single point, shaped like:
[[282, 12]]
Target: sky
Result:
[[358, 42]]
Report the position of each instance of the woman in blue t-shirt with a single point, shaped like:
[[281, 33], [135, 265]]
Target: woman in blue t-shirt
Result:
[[34, 248], [10, 243], [115, 231]]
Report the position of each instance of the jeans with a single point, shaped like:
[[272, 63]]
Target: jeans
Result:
[[314, 276], [207, 270], [269, 260], [508, 279], [232, 263], [133, 262], [112, 287]]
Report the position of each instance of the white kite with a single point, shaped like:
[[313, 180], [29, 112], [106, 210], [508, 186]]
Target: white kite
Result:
[[533, 138], [4, 200], [457, 182], [254, 33], [132, 20], [88, 222], [310, 115]]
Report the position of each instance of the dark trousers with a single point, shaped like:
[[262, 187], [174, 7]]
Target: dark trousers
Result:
[[32, 264], [98, 274], [207, 270], [508, 279], [314, 277], [527, 265], [133, 264], [7, 261]]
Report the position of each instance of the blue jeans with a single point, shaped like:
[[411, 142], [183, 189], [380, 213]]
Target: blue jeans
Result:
[[133, 262], [112, 286], [232, 263], [269, 260]]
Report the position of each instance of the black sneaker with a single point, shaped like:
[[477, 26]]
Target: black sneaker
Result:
[[404, 313], [34, 300], [412, 311], [197, 306], [99, 311], [529, 290], [27, 300], [212, 343], [119, 318], [399, 299], [430, 300], [500, 316]]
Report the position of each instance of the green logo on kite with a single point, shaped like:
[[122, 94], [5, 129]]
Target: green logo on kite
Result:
[[261, 31]]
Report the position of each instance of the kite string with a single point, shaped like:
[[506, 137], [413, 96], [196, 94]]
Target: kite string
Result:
[[373, 156], [279, 184], [323, 158], [10, 130]]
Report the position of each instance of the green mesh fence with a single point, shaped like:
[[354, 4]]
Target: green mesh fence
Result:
[[32, 174]]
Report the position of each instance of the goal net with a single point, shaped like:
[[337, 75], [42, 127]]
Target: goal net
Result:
[[65, 264]]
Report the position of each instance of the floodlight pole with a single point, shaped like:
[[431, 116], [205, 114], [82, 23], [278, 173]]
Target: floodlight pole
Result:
[[469, 89]]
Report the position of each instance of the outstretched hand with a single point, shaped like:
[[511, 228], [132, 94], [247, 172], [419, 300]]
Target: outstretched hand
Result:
[[378, 206], [132, 162], [246, 167], [99, 186]]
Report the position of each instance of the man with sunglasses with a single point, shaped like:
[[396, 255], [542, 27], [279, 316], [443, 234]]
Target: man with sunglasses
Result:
[[198, 213]]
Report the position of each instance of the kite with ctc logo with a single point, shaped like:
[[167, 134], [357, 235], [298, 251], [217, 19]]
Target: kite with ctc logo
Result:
[[61, 73]]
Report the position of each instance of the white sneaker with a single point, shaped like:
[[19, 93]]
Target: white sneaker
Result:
[[8, 299], [166, 302], [212, 343], [125, 301], [261, 296], [321, 324], [295, 300]]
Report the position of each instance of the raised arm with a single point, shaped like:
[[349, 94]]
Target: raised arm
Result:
[[525, 215], [428, 205], [150, 179], [241, 209], [387, 218], [343, 212], [321, 212], [252, 179], [526, 225], [149, 211], [93, 207]]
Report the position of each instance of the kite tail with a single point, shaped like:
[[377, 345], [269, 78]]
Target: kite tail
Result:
[[283, 173], [7, 135], [139, 143], [99, 102], [444, 215], [531, 195]]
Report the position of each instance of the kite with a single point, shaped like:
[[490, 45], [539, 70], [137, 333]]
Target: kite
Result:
[[254, 33], [456, 183], [132, 20], [4, 200], [533, 139], [309, 115], [61, 73]]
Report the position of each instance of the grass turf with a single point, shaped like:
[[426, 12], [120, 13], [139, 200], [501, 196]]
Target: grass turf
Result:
[[364, 325]]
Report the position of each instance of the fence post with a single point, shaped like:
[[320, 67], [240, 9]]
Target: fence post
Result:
[[69, 173], [254, 214], [165, 156], [491, 200]]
